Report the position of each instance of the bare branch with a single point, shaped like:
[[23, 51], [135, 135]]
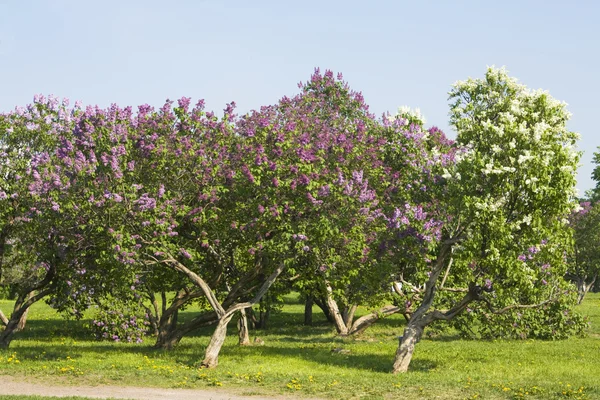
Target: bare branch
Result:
[[447, 272]]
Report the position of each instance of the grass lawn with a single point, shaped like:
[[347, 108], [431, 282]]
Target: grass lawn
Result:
[[298, 360]]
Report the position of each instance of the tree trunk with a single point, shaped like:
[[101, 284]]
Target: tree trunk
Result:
[[349, 315], [11, 327], [3, 319], [211, 356], [338, 319], [244, 337], [263, 318], [163, 298], [421, 317], [406, 348], [322, 303], [22, 321], [308, 305], [253, 322], [153, 313], [167, 336]]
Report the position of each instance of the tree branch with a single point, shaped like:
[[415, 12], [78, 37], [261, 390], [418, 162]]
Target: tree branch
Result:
[[367, 320], [447, 272], [198, 281], [334, 310], [515, 306], [454, 290], [3, 318], [47, 278], [436, 315], [270, 280], [412, 287]]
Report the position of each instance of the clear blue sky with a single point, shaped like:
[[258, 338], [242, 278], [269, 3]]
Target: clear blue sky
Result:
[[254, 52]]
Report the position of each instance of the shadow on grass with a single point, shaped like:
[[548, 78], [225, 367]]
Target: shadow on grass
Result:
[[285, 328], [191, 354], [45, 329], [324, 356]]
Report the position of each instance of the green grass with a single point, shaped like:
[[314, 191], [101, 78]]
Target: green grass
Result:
[[298, 360]]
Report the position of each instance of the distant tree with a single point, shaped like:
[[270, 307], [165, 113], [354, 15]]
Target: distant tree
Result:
[[594, 194], [584, 260]]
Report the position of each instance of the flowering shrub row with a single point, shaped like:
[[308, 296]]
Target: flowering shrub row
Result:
[[129, 203]]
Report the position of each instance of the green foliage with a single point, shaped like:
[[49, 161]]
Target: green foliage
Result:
[[6, 293]]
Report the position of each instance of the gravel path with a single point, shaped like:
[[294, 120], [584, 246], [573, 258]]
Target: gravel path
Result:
[[20, 386]]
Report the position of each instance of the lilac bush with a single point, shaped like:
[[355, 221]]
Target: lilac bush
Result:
[[177, 202]]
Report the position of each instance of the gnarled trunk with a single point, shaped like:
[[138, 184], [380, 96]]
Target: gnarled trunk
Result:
[[406, 347], [422, 317], [211, 356], [23, 318], [154, 313], [348, 315], [222, 315], [338, 319], [12, 327], [7, 334], [20, 309]]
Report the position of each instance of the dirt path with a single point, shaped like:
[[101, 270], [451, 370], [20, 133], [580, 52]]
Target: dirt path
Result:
[[20, 386]]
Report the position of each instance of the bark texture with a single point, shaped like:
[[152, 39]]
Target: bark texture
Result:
[[22, 321], [322, 304], [336, 315], [211, 356], [244, 336], [308, 315], [406, 347], [361, 324]]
